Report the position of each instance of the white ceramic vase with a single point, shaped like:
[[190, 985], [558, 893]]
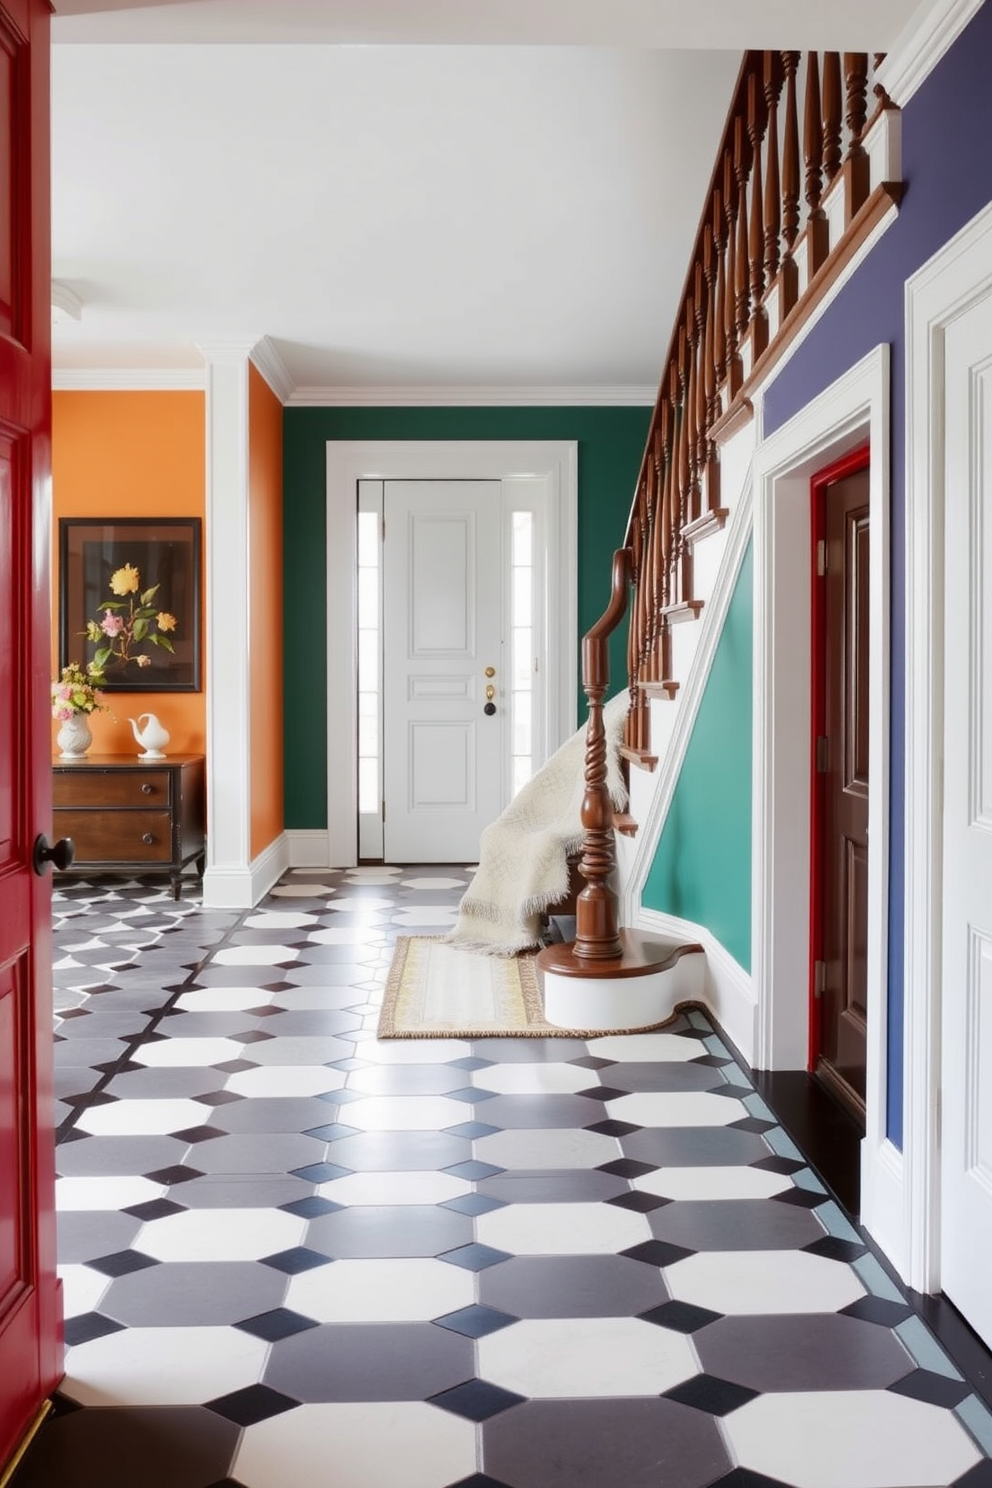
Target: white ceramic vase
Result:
[[74, 737]]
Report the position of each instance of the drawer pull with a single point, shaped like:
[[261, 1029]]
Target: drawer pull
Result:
[[146, 789], [147, 838]]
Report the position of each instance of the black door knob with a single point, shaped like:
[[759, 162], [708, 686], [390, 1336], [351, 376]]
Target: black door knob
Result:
[[44, 853], [489, 709]]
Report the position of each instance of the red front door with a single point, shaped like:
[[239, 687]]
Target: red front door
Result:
[[30, 1353]]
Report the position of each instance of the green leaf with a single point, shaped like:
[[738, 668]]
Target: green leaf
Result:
[[140, 629], [114, 604], [149, 594], [162, 640], [101, 657]]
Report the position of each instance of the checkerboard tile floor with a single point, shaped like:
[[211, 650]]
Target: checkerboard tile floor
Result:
[[295, 1256]]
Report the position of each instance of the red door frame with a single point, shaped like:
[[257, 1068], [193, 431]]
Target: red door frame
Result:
[[850, 464]]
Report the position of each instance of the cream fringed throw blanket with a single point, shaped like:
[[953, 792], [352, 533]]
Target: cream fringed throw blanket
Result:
[[523, 855]]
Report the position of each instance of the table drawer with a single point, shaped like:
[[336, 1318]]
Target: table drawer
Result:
[[123, 837], [111, 788]]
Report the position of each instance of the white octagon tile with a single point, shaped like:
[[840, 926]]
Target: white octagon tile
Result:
[[413, 1051], [255, 955], [371, 1445], [303, 1050], [864, 1439], [349, 935], [558, 1148], [713, 1183], [286, 1079], [301, 890], [220, 1235], [133, 1118], [223, 999], [562, 1229], [83, 1288], [394, 1188], [641, 1047], [105, 1193], [563, 1357], [381, 1291], [432, 883], [174, 1052], [279, 919], [163, 1366], [676, 1108], [359, 904], [763, 1281], [426, 914], [406, 1112], [534, 1079]]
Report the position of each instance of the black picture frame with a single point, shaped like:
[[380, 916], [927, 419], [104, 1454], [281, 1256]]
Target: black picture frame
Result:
[[166, 552]]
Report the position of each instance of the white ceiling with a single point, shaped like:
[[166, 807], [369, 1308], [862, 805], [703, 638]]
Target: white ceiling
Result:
[[499, 193]]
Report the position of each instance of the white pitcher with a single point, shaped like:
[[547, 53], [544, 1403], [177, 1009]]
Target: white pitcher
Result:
[[152, 738]]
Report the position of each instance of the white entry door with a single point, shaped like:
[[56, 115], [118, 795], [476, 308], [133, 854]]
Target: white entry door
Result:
[[966, 1157], [443, 755]]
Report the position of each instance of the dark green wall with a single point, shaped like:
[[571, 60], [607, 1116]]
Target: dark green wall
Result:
[[611, 443], [702, 867]]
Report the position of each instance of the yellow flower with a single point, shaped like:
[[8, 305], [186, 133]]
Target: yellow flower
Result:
[[165, 621], [126, 580]]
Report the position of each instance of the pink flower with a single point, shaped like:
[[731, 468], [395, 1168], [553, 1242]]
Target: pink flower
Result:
[[64, 692], [111, 624], [64, 714]]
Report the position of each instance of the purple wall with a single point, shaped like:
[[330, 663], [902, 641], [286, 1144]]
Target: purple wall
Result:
[[947, 168]]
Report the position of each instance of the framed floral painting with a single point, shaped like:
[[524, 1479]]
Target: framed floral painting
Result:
[[129, 601]]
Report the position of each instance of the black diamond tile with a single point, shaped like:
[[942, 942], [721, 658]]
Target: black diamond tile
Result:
[[473, 1204], [627, 1167], [712, 1061], [219, 1098], [320, 1172], [333, 1132], [281, 1322], [298, 1259], [638, 1202], [472, 1130], [310, 1208], [122, 1262], [878, 1310], [194, 1134], [155, 1209], [476, 1400], [836, 1249], [473, 1170], [475, 1321], [743, 1477], [705, 1392], [657, 1253], [178, 1173], [469, 1063], [233, 1066], [733, 1092], [591, 1062], [750, 1124], [936, 1389], [800, 1198], [474, 1257], [680, 1317], [345, 1065], [341, 1097], [778, 1165], [602, 1093], [613, 1128], [979, 1476], [89, 1325], [479, 1480], [253, 1404]]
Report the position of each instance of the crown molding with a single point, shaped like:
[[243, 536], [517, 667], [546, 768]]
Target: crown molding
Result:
[[128, 379], [922, 44], [66, 304], [271, 366], [472, 397]]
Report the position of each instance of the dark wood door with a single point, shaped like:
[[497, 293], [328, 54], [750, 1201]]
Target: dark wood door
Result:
[[840, 867], [30, 1353]]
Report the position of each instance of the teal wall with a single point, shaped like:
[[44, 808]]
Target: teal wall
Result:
[[702, 867], [610, 442]]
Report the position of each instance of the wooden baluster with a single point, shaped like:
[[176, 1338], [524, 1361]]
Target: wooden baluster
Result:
[[633, 539], [831, 115], [817, 243], [701, 409], [653, 672], [692, 502], [718, 300], [742, 286], [773, 188], [664, 660], [790, 155], [672, 534], [857, 167], [733, 372], [711, 396], [756, 119], [647, 594], [683, 476]]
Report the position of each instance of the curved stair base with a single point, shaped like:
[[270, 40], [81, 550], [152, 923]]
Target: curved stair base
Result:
[[638, 989]]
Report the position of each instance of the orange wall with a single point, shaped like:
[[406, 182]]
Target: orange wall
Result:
[[132, 455], [265, 610]]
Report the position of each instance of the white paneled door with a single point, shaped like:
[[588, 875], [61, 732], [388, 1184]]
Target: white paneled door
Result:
[[443, 754], [966, 1156]]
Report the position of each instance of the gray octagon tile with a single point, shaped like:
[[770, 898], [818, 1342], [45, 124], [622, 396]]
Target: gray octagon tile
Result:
[[373, 1230], [176, 1447], [572, 1287], [378, 1361], [802, 1351], [195, 1293], [735, 1224]]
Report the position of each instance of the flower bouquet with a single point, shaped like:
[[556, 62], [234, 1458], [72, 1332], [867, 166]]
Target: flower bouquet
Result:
[[129, 622]]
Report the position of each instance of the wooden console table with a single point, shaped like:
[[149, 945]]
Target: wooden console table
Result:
[[127, 815]]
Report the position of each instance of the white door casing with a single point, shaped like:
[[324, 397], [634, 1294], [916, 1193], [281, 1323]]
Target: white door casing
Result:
[[966, 938], [538, 472], [442, 627]]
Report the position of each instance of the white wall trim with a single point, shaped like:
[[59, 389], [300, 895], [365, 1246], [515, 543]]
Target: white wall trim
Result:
[[242, 888], [956, 277], [727, 990], [464, 396], [271, 366], [349, 461], [852, 409], [921, 45], [690, 698], [307, 848], [129, 379]]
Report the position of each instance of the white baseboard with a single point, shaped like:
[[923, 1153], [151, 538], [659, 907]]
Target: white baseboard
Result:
[[242, 888], [308, 849], [883, 1200], [725, 988]]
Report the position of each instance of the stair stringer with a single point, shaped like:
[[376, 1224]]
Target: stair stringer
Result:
[[726, 985]]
